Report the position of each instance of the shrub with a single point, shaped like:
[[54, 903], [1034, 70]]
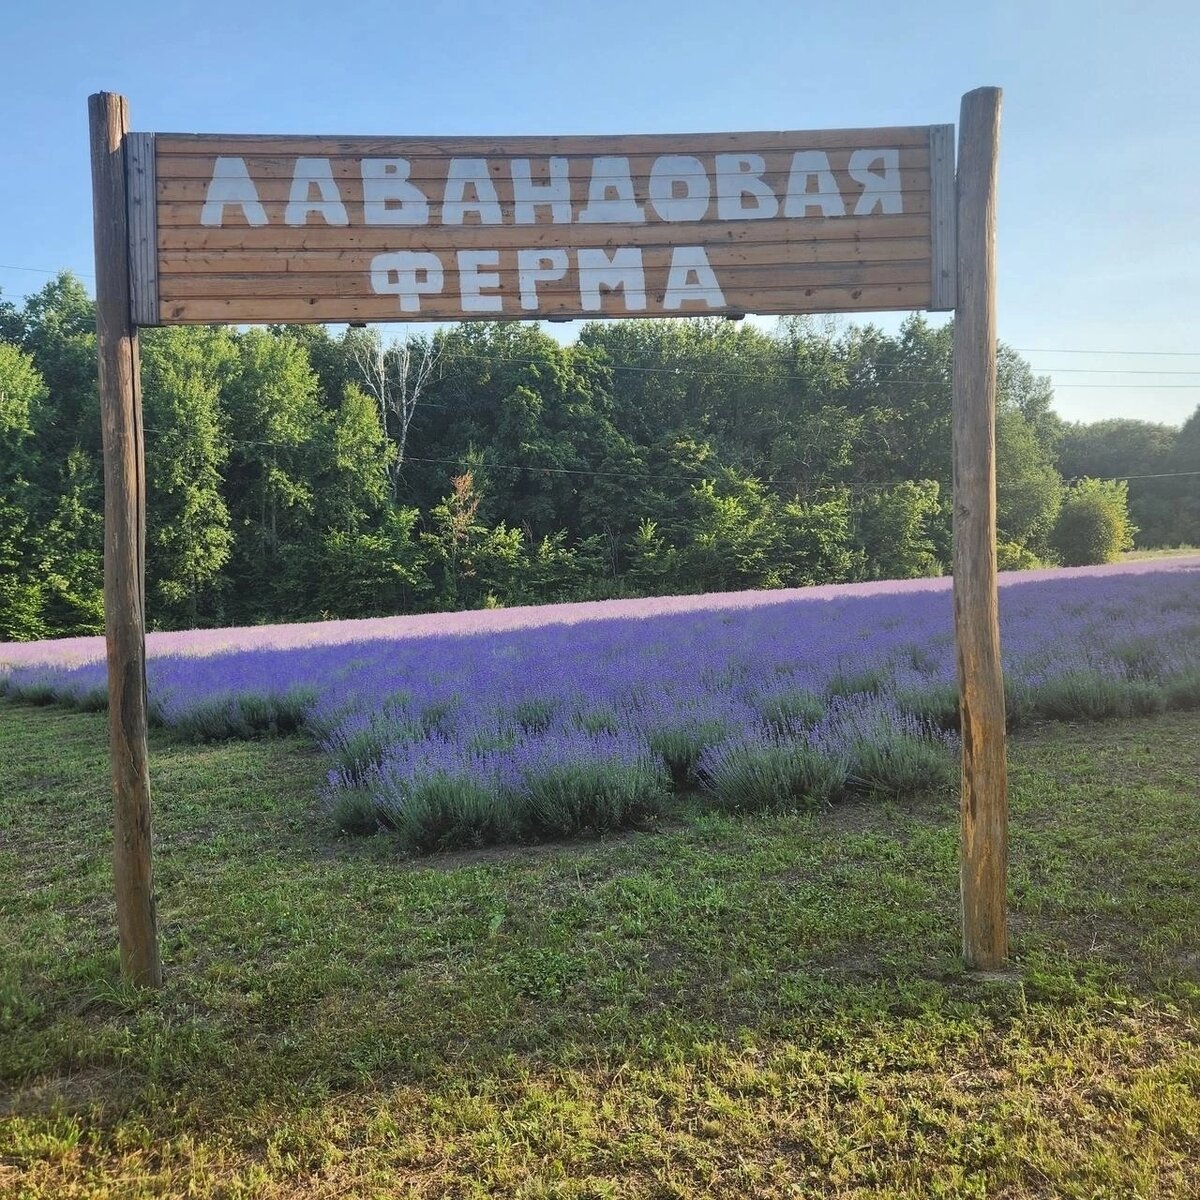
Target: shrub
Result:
[[847, 683], [936, 703], [597, 796], [534, 714], [356, 812], [1090, 696], [1093, 525], [597, 720], [1142, 657], [895, 763], [1184, 692], [1018, 702], [249, 715], [94, 699], [758, 778], [680, 747], [443, 811], [792, 712], [357, 753], [1012, 556]]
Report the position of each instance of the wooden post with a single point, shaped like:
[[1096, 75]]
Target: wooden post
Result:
[[976, 609], [124, 544]]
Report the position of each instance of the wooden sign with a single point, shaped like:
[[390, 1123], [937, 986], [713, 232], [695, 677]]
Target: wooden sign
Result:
[[237, 230], [254, 229]]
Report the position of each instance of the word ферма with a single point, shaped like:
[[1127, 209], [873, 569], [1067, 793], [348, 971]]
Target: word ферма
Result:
[[605, 190]]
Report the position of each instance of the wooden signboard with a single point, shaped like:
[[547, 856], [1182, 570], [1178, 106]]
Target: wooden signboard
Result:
[[238, 230], [283, 229]]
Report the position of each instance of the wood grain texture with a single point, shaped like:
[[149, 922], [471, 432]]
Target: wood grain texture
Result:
[[976, 613], [813, 231], [124, 544], [727, 253], [348, 168], [943, 218], [297, 310], [173, 190], [143, 229], [737, 279], [916, 136], [808, 261]]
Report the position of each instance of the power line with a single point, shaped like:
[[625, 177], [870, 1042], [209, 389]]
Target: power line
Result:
[[44, 271], [1109, 371], [859, 489], [692, 369], [1148, 353]]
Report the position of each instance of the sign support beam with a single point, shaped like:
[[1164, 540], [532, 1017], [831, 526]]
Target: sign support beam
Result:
[[124, 543], [976, 604]]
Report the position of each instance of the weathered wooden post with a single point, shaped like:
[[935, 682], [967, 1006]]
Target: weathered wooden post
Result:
[[976, 609], [124, 543]]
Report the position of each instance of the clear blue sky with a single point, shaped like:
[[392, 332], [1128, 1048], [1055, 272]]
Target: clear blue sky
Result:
[[1100, 167]]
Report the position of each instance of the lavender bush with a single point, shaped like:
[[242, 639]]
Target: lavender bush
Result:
[[512, 725]]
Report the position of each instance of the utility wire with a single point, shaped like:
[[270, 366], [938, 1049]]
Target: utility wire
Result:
[[860, 489]]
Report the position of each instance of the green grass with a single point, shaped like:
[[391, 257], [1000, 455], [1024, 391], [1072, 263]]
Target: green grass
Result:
[[723, 1006], [1161, 552]]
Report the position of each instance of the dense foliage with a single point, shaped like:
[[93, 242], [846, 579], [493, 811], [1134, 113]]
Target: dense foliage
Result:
[[296, 473], [1093, 524]]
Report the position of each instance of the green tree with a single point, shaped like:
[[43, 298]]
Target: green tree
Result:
[[816, 542], [1093, 525], [1029, 489], [276, 421], [368, 572], [1146, 451], [189, 537], [470, 563], [21, 589], [71, 553], [894, 531]]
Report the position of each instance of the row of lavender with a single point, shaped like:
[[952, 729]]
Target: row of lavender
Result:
[[559, 726]]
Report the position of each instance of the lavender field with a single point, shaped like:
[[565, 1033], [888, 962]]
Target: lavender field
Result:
[[524, 723]]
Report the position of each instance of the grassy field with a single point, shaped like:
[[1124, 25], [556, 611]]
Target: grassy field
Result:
[[1160, 552], [764, 1007]]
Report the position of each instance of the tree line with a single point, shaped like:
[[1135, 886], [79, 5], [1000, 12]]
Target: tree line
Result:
[[295, 473]]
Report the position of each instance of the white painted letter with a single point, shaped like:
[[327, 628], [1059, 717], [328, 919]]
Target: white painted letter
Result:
[[409, 274], [528, 195], [827, 197], [307, 174], [623, 270], [688, 263], [470, 173], [472, 281], [884, 189], [683, 169], [388, 196], [611, 175], [231, 184], [531, 272], [740, 175]]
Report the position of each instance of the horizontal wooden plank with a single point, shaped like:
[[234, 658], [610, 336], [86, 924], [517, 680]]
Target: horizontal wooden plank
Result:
[[189, 214], [358, 283], [537, 145], [279, 168], [350, 190], [238, 311], [400, 237], [237, 262]]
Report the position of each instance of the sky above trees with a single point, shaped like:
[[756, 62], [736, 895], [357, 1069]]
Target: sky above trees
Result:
[[1098, 169]]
